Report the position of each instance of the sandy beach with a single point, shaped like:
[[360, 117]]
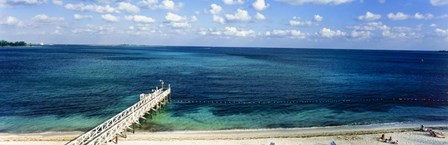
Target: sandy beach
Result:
[[365, 134]]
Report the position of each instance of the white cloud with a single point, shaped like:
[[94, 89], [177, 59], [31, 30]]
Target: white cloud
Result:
[[180, 24], [300, 23], [140, 19], [171, 17], [320, 2], [423, 17], [369, 16], [277, 32], [141, 29], [328, 33], [233, 2], [441, 32], [318, 18], [93, 8], [215, 9], [371, 26], [169, 5], [438, 2], [296, 22], [56, 32], [368, 30], [202, 32], [361, 34], [216, 33], [21, 2], [94, 29], [58, 2], [109, 18], [148, 2], [80, 17], [107, 1], [443, 16], [240, 15], [165, 4], [260, 16], [397, 16], [42, 18], [210, 32], [12, 21], [389, 34], [194, 18], [286, 33], [401, 33], [260, 5], [219, 19], [233, 31], [128, 7], [177, 21], [382, 1], [298, 34], [433, 25]]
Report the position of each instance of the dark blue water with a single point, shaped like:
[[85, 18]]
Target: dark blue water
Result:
[[65, 88]]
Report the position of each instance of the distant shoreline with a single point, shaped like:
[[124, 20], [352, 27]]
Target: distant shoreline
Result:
[[245, 47]]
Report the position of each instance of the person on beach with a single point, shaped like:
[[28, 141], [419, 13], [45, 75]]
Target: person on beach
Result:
[[388, 140], [395, 142], [423, 128], [381, 138], [333, 143]]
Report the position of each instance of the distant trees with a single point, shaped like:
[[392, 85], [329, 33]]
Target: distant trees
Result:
[[4, 43]]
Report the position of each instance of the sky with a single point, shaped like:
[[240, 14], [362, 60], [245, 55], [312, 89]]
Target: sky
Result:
[[352, 24]]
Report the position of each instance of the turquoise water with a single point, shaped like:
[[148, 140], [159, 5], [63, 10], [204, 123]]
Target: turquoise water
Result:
[[75, 87]]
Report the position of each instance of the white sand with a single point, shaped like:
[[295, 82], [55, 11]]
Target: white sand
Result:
[[348, 135], [404, 138]]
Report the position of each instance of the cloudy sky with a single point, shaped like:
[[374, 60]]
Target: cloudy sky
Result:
[[363, 24]]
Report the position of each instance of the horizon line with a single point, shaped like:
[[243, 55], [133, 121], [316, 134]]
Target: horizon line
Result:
[[251, 47]]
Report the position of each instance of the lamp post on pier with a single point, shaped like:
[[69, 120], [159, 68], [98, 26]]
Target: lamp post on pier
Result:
[[161, 81]]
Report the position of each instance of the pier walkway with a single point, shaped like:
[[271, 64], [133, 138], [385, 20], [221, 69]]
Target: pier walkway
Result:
[[120, 123]]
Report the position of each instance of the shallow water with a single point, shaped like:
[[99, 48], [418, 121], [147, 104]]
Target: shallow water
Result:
[[65, 88]]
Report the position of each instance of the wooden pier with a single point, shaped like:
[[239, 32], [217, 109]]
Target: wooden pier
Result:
[[120, 123]]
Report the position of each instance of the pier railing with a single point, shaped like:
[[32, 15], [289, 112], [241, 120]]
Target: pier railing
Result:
[[120, 123]]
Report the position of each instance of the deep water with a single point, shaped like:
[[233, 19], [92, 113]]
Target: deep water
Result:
[[76, 87]]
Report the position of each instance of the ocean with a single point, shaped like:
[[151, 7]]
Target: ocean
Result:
[[76, 87]]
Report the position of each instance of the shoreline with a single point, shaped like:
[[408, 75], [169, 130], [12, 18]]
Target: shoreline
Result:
[[242, 135]]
